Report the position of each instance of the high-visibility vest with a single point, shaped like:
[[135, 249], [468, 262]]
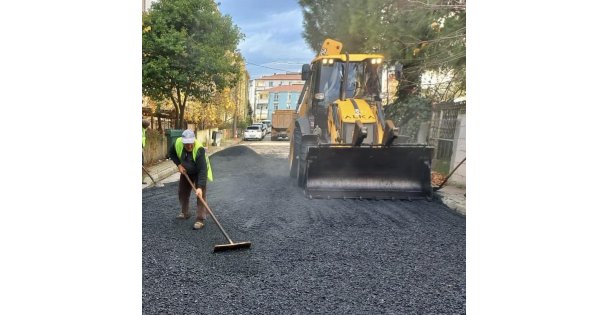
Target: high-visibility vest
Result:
[[143, 137], [179, 148]]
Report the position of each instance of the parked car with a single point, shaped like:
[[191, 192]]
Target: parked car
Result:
[[262, 126], [268, 124], [254, 132]]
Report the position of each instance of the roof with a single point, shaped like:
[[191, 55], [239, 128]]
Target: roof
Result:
[[283, 76], [286, 88]]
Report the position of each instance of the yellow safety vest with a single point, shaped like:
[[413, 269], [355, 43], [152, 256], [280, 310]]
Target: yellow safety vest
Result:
[[143, 137], [179, 147]]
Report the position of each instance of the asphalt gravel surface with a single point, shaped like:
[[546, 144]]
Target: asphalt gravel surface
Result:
[[307, 256]]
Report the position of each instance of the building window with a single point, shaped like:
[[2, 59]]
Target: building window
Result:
[[276, 97], [276, 106], [288, 106], [288, 97], [270, 84]]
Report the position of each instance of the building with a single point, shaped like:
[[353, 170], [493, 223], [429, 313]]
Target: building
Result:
[[283, 97], [259, 89]]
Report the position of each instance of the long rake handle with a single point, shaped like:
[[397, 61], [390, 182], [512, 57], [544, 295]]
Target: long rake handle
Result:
[[208, 209], [452, 172], [145, 170]]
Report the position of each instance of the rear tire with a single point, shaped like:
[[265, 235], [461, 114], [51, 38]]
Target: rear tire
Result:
[[294, 162], [297, 147]]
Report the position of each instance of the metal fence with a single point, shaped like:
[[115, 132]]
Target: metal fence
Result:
[[441, 135]]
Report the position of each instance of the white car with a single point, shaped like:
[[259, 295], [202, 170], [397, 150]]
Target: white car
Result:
[[254, 132], [262, 126]]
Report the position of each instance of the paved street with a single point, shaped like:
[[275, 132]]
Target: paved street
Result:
[[308, 256]]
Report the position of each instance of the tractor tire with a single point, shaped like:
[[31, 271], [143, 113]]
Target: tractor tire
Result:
[[300, 158], [296, 143]]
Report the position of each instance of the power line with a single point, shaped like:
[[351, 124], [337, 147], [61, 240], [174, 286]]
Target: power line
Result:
[[251, 63]]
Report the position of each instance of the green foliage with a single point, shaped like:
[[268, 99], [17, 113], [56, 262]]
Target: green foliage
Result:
[[187, 52], [409, 113], [244, 123], [421, 36], [355, 23]]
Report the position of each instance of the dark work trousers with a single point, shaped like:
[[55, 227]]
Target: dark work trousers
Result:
[[184, 191]]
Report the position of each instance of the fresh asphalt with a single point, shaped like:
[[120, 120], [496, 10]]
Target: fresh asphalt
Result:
[[307, 257]]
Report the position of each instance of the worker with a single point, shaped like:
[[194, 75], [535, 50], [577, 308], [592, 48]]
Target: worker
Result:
[[144, 126], [189, 156]]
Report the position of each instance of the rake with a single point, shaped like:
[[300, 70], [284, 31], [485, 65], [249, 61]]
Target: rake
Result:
[[155, 183], [222, 247]]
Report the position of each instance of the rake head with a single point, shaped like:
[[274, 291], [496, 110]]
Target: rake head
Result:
[[231, 246]]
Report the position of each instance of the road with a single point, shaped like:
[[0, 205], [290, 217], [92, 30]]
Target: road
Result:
[[307, 256]]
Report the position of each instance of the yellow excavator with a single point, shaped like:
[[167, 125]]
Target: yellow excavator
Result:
[[341, 145]]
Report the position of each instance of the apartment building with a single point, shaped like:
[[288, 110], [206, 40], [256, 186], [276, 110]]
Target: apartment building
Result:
[[259, 92], [283, 97]]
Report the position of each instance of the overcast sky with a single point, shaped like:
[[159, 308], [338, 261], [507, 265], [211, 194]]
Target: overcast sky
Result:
[[273, 34]]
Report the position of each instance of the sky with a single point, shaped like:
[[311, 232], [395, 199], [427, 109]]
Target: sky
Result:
[[273, 40]]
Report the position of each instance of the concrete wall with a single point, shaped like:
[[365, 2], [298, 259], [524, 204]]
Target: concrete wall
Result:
[[204, 136], [156, 147], [459, 152]]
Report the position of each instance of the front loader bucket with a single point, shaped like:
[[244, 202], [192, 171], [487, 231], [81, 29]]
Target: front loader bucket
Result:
[[396, 172]]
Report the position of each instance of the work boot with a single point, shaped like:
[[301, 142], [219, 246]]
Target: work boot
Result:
[[181, 215], [199, 224]]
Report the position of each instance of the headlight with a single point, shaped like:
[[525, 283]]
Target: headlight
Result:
[[376, 61]]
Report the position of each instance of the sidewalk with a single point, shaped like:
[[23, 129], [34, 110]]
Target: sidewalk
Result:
[[450, 195], [454, 197]]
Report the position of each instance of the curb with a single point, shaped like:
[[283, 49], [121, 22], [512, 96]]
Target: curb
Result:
[[455, 204]]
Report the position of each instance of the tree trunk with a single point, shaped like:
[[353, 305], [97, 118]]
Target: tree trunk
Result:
[[236, 111], [234, 125], [180, 124], [176, 104]]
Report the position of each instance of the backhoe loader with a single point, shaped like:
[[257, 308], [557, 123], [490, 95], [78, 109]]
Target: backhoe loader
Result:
[[341, 145]]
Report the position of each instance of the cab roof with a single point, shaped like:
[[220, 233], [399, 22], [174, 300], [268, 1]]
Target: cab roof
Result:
[[352, 57]]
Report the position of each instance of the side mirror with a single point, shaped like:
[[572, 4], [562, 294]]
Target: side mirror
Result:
[[305, 71]]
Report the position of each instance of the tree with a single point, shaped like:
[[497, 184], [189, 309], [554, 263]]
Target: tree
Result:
[[355, 23], [187, 52], [421, 36]]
